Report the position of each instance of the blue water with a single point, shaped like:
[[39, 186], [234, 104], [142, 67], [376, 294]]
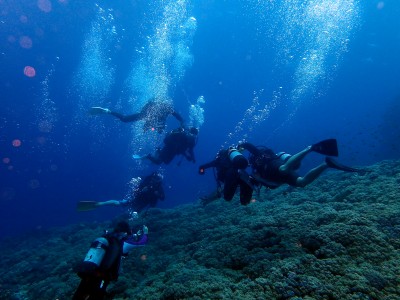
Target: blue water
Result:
[[283, 74]]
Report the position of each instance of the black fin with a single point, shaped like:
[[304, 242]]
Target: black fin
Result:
[[86, 205], [335, 165], [326, 147]]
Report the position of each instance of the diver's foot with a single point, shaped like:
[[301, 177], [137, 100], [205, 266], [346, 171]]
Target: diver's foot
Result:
[[330, 162], [96, 110]]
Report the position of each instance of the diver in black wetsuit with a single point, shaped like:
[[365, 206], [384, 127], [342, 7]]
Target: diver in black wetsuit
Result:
[[102, 262], [272, 170], [179, 141], [147, 194], [154, 114], [150, 190], [230, 165]]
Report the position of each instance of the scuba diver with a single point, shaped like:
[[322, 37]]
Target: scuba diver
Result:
[[154, 114], [274, 169], [230, 165], [179, 141], [147, 194], [103, 260]]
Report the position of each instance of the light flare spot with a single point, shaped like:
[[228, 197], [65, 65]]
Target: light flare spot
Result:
[[29, 71], [6, 160], [44, 5], [25, 42], [143, 257], [23, 19], [16, 143]]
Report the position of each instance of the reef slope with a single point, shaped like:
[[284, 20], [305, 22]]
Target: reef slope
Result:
[[339, 238]]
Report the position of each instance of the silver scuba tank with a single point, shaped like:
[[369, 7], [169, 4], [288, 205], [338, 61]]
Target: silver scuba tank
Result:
[[96, 252], [237, 159], [284, 156]]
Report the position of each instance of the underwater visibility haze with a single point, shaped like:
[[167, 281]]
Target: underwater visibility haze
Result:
[[283, 74]]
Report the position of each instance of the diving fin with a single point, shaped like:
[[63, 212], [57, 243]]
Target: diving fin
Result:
[[335, 165], [96, 110], [326, 147], [136, 156], [86, 205]]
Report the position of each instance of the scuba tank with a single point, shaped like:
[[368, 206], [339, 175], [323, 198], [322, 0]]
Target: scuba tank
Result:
[[283, 156], [95, 255], [237, 159]]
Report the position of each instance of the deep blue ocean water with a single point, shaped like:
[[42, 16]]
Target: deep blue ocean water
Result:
[[283, 74]]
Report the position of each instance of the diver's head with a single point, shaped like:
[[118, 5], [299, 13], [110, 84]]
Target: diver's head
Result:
[[194, 130], [156, 176], [122, 227]]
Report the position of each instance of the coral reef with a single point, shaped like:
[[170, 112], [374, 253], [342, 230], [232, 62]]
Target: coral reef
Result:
[[339, 238]]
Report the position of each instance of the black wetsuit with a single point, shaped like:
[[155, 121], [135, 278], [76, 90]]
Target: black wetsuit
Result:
[[230, 176], [265, 164], [94, 283], [95, 279], [177, 142], [150, 190], [153, 113]]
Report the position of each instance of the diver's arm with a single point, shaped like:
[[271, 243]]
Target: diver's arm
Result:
[[190, 155], [250, 147], [203, 167], [178, 117], [127, 118], [132, 241]]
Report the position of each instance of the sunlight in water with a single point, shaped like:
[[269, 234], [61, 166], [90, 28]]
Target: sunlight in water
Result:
[[46, 112], [310, 38], [162, 63], [196, 113], [95, 74]]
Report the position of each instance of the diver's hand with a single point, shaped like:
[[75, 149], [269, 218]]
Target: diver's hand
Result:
[[202, 171], [145, 229], [96, 110]]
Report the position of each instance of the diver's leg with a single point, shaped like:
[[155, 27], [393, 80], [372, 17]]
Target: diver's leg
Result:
[[127, 118], [167, 154], [110, 202], [246, 191], [294, 161], [311, 175], [89, 289], [230, 184], [156, 158]]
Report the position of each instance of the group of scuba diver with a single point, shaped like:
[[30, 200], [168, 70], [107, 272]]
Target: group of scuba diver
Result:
[[101, 264], [269, 169]]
